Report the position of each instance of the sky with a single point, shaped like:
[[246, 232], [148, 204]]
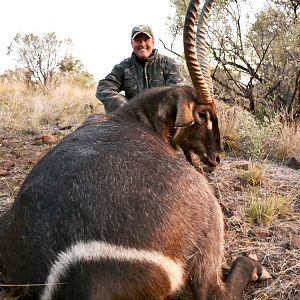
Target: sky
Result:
[[100, 29]]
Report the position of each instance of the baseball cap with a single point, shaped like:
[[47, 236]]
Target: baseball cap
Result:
[[141, 29]]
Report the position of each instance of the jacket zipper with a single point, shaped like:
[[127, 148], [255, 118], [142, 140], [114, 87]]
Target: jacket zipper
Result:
[[146, 77]]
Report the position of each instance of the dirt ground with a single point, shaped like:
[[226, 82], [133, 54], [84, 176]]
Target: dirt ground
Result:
[[277, 244]]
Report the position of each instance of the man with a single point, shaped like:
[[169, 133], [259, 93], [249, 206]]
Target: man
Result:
[[145, 68]]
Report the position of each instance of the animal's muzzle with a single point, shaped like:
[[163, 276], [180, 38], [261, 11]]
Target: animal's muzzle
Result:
[[211, 161]]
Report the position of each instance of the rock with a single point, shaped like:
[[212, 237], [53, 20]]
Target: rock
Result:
[[293, 163], [294, 242], [262, 232], [65, 126], [3, 172], [243, 166], [49, 139], [259, 232], [247, 243], [8, 165], [228, 212], [46, 139], [286, 229]]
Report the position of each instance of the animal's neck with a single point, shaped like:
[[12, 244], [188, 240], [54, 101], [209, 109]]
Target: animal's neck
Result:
[[161, 123], [154, 116]]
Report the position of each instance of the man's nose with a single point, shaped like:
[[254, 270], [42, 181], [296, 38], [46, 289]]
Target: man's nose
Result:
[[142, 42]]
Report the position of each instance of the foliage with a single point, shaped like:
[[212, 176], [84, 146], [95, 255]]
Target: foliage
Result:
[[254, 175], [262, 209], [70, 64], [177, 21], [242, 134], [276, 37], [40, 55], [73, 70], [17, 75], [255, 59]]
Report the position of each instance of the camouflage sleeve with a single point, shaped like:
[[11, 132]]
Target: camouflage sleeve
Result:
[[109, 88], [172, 73]]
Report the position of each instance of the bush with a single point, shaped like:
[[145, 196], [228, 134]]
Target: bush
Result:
[[244, 135], [262, 209]]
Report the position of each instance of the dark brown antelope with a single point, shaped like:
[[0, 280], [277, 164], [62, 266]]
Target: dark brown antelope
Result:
[[114, 212]]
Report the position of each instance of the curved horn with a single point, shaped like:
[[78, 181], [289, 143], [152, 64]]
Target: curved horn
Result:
[[198, 80], [201, 45]]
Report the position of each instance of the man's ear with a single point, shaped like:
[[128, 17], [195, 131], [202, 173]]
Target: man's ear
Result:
[[184, 117]]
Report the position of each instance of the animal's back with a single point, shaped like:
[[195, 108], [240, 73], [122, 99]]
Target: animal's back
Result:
[[115, 183]]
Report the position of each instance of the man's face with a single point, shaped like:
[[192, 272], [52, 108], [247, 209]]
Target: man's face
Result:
[[142, 45]]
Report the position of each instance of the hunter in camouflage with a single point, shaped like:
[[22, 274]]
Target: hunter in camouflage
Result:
[[146, 68]]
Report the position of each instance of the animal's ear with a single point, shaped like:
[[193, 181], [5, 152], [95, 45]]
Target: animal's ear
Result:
[[184, 117]]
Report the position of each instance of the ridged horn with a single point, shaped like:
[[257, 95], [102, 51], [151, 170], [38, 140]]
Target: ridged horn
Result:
[[198, 80], [201, 44]]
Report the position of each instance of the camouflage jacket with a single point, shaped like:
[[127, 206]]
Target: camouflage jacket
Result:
[[132, 76]]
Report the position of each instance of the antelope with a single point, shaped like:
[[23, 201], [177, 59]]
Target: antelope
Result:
[[114, 212]]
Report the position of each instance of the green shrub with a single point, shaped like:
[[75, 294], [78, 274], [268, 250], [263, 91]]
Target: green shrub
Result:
[[263, 209]]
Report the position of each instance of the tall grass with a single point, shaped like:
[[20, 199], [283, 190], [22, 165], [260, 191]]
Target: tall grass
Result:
[[253, 139], [28, 110]]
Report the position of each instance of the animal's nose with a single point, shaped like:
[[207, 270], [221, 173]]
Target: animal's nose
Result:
[[214, 160]]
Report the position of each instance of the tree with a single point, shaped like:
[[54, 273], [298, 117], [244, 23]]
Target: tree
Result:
[[41, 55], [70, 64], [73, 69], [281, 65], [233, 73], [255, 64], [176, 22], [291, 7]]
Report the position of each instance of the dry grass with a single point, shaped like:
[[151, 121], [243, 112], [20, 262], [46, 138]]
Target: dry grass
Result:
[[287, 142], [24, 110], [247, 137], [253, 175], [262, 209]]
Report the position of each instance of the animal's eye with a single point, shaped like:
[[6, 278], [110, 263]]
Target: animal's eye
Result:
[[202, 115]]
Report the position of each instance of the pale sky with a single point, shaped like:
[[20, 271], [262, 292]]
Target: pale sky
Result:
[[100, 29]]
